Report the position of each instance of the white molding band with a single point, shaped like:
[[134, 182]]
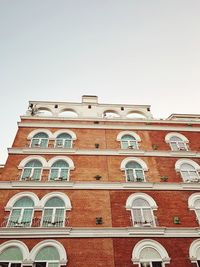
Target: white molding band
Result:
[[91, 232]]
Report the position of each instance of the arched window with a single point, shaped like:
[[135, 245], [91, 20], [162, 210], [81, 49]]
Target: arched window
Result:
[[134, 172], [142, 206], [194, 204], [32, 170], [63, 140], [59, 170], [47, 257], [54, 213], [128, 141], [21, 213], [189, 173], [39, 140], [177, 141], [149, 253], [11, 257]]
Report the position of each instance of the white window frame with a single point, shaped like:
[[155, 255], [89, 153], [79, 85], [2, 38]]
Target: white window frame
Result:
[[31, 174], [143, 223], [136, 139], [59, 177], [39, 142], [134, 174], [182, 145], [196, 167], [19, 222], [52, 223]]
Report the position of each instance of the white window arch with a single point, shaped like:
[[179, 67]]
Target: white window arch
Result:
[[54, 207], [60, 167], [177, 141], [194, 204], [188, 169], [134, 169], [150, 253], [49, 253], [13, 253], [128, 140], [194, 252], [36, 131], [142, 206]]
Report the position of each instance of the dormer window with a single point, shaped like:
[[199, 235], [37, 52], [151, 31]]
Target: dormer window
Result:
[[63, 140], [39, 140]]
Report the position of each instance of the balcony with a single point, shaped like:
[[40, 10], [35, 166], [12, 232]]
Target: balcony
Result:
[[41, 222]]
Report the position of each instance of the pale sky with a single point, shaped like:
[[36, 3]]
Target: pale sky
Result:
[[124, 51]]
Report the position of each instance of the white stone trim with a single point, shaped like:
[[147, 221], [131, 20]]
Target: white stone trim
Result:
[[71, 133], [17, 196], [146, 197], [32, 157], [53, 243], [149, 243], [138, 160], [60, 195], [192, 199], [170, 135], [16, 243], [36, 131], [188, 161], [121, 134], [67, 159], [193, 250]]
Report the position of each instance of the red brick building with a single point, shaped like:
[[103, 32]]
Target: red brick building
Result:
[[89, 184]]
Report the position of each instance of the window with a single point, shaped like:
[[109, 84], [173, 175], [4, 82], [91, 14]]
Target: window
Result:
[[177, 141], [194, 252], [47, 257], [11, 257], [128, 141], [176, 144], [39, 140], [54, 213], [142, 213], [134, 172], [189, 173], [21, 213], [59, 170], [63, 140], [150, 253], [32, 170], [194, 204]]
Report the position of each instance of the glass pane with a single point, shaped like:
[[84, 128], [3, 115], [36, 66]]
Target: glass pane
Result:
[[198, 263], [24, 202], [60, 164], [14, 218], [44, 142], [27, 217], [53, 174], [48, 253], [40, 135], [157, 264], [127, 137], [175, 138], [130, 175], [147, 214], [124, 144], [34, 163], [64, 136], [64, 174], [36, 174], [11, 254], [137, 216], [59, 218], [55, 202], [35, 142], [139, 175], [47, 217], [26, 173], [140, 202], [40, 264], [174, 146], [145, 264], [68, 144], [133, 165], [53, 264]]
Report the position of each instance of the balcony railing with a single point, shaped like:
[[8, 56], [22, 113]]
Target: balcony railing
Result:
[[42, 222]]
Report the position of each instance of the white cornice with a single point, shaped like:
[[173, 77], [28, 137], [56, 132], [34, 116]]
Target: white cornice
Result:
[[69, 185], [147, 127], [99, 232], [104, 152]]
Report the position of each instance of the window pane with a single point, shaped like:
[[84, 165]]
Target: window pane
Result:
[[59, 218], [157, 264], [55, 202], [139, 174], [14, 218], [47, 217], [64, 174], [145, 264], [148, 218], [68, 144], [130, 175], [124, 144], [48, 253], [27, 217], [53, 174], [11, 254], [24, 202], [44, 142], [40, 264], [137, 216], [36, 174], [26, 173]]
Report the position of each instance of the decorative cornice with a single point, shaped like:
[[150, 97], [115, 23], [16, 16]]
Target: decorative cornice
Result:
[[69, 185], [147, 127], [127, 232], [103, 152]]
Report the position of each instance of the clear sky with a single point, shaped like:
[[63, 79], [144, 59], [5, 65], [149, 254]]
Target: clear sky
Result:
[[124, 51]]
